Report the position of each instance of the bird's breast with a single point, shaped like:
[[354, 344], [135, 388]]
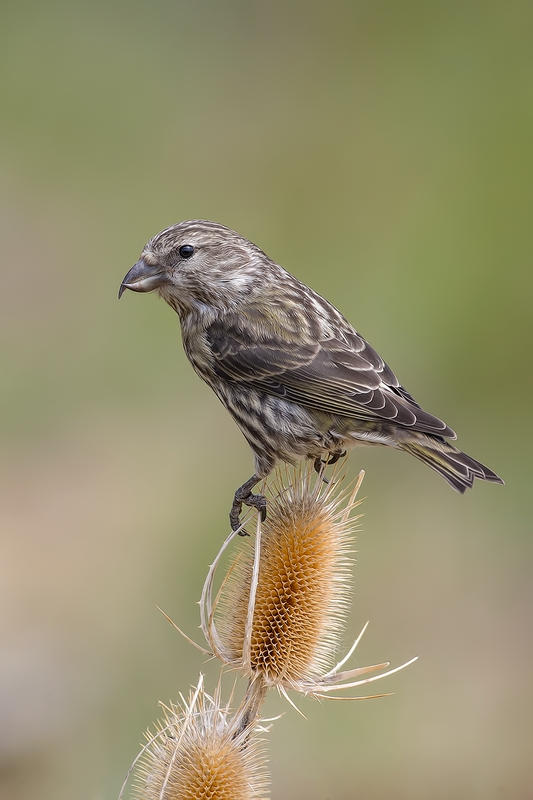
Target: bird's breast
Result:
[[197, 350]]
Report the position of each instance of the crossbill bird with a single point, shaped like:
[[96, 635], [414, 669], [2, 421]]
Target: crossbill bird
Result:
[[297, 378]]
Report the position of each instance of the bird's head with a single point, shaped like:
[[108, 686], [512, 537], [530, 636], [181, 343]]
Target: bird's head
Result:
[[197, 262]]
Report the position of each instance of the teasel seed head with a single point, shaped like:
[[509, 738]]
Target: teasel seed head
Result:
[[280, 613], [200, 752]]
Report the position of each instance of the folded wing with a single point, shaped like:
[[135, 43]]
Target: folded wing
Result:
[[340, 375]]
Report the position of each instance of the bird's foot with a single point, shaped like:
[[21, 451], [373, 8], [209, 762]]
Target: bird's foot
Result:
[[334, 457], [244, 496], [320, 465]]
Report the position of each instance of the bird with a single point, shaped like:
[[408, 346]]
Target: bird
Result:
[[297, 378]]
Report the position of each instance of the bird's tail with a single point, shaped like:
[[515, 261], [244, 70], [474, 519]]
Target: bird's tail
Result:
[[455, 467]]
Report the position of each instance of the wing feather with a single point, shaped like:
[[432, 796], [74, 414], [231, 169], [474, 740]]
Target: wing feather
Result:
[[340, 375]]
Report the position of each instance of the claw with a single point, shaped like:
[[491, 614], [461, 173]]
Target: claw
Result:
[[244, 496], [332, 458]]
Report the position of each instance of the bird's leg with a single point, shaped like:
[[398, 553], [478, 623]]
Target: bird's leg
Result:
[[244, 495], [320, 466]]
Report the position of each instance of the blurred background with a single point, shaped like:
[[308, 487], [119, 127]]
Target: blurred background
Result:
[[382, 152]]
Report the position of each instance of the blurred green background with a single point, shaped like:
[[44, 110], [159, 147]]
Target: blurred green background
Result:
[[381, 151]]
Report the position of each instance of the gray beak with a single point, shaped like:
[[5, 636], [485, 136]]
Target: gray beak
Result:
[[142, 278]]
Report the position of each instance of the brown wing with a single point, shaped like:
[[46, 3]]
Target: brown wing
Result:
[[342, 375]]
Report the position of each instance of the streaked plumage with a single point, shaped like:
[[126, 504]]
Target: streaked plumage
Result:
[[294, 374]]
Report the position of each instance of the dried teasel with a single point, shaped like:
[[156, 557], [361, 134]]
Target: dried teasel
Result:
[[281, 609], [199, 751], [278, 618]]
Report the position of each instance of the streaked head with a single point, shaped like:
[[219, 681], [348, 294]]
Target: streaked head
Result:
[[199, 262]]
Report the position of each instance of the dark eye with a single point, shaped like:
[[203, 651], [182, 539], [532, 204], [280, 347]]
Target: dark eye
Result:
[[186, 250]]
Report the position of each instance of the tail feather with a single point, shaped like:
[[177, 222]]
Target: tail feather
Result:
[[458, 469]]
